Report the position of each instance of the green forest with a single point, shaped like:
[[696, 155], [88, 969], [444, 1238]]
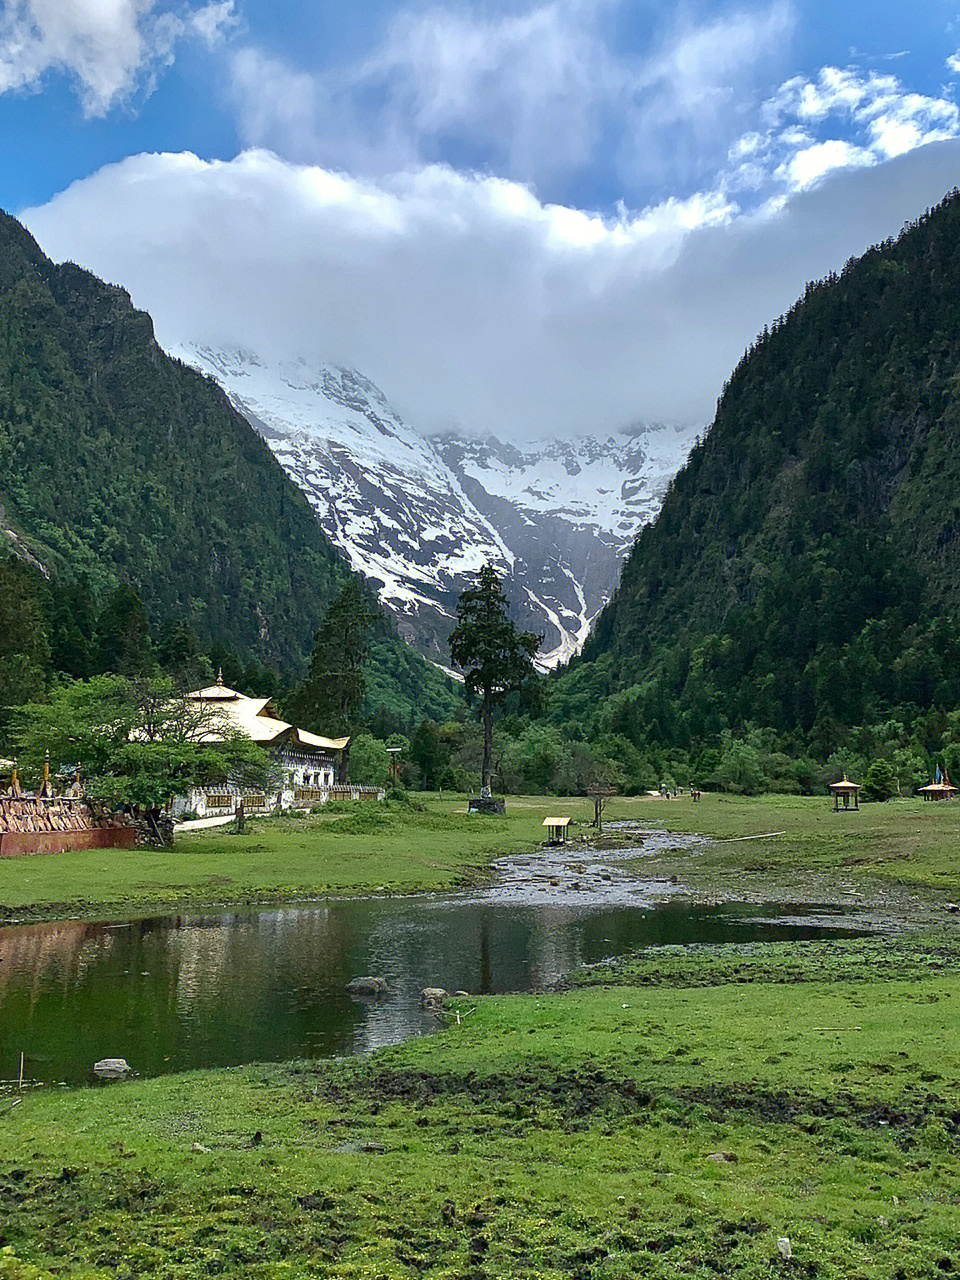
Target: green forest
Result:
[[791, 615], [794, 609], [143, 522]]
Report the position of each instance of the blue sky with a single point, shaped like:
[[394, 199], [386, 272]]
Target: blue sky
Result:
[[545, 185]]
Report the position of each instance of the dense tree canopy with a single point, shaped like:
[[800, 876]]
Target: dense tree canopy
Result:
[[135, 742], [801, 574]]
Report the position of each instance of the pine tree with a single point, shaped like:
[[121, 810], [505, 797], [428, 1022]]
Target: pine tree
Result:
[[329, 698], [495, 658], [123, 637]]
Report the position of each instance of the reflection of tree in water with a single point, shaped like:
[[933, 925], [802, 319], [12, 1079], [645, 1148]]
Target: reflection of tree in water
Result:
[[42, 950], [196, 991]]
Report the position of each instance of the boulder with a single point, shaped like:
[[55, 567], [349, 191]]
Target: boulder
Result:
[[367, 986], [433, 998], [111, 1068]]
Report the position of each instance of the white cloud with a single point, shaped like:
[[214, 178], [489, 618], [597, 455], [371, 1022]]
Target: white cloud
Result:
[[108, 47], [841, 118], [470, 301], [528, 93], [214, 21], [810, 164]]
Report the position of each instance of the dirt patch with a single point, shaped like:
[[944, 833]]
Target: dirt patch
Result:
[[578, 1096]]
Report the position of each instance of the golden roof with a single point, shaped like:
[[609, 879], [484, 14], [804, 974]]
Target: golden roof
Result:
[[256, 718]]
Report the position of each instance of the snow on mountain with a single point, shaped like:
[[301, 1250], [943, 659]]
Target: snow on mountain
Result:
[[418, 516], [570, 511]]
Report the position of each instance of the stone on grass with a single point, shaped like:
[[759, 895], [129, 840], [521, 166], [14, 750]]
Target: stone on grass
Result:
[[784, 1247], [111, 1068]]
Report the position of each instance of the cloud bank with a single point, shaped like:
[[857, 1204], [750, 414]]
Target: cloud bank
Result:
[[533, 93], [476, 306]]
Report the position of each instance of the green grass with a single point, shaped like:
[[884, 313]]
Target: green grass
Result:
[[906, 842], [600, 1134], [674, 1115], [361, 848], [396, 848]]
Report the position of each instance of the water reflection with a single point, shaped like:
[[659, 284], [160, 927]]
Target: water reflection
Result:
[[206, 990]]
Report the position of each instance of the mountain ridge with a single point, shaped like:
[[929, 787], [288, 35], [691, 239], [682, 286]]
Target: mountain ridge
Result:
[[800, 575], [121, 465], [419, 514]]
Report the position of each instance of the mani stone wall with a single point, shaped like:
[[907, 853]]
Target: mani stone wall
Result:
[[32, 824]]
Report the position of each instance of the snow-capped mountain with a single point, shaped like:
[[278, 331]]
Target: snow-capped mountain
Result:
[[418, 515], [569, 510]]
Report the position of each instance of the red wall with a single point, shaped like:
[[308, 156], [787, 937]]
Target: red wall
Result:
[[13, 844]]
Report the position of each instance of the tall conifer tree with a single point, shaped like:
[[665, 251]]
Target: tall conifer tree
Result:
[[495, 658]]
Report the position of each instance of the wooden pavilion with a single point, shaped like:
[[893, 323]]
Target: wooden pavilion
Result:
[[556, 830], [943, 790], [844, 791]]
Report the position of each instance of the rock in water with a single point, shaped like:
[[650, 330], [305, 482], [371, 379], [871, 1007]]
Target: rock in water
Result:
[[367, 986], [111, 1068], [433, 998]]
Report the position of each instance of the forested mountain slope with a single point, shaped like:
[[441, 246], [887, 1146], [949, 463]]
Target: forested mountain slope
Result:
[[803, 571], [119, 465]]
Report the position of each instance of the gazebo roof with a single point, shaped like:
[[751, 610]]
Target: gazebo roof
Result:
[[845, 785], [939, 786], [556, 822]]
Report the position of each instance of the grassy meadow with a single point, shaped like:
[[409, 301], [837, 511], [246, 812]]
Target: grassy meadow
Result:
[[343, 849], [603, 1133], [751, 1110], [434, 844]]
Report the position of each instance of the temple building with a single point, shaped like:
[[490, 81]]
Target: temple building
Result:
[[312, 769]]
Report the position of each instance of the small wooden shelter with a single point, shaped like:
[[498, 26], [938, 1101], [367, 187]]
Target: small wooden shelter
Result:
[[845, 791], [556, 830]]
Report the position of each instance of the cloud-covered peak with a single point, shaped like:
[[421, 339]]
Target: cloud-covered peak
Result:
[[475, 306]]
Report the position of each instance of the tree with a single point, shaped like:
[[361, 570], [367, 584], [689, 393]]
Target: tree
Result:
[[330, 697], [881, 781], [429, 753], [24, 646], [123, 635], [369, 762], [495, 658], [136, 742], [72, 628]]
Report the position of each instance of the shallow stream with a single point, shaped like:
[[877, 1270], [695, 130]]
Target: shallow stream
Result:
[[212, 989]]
